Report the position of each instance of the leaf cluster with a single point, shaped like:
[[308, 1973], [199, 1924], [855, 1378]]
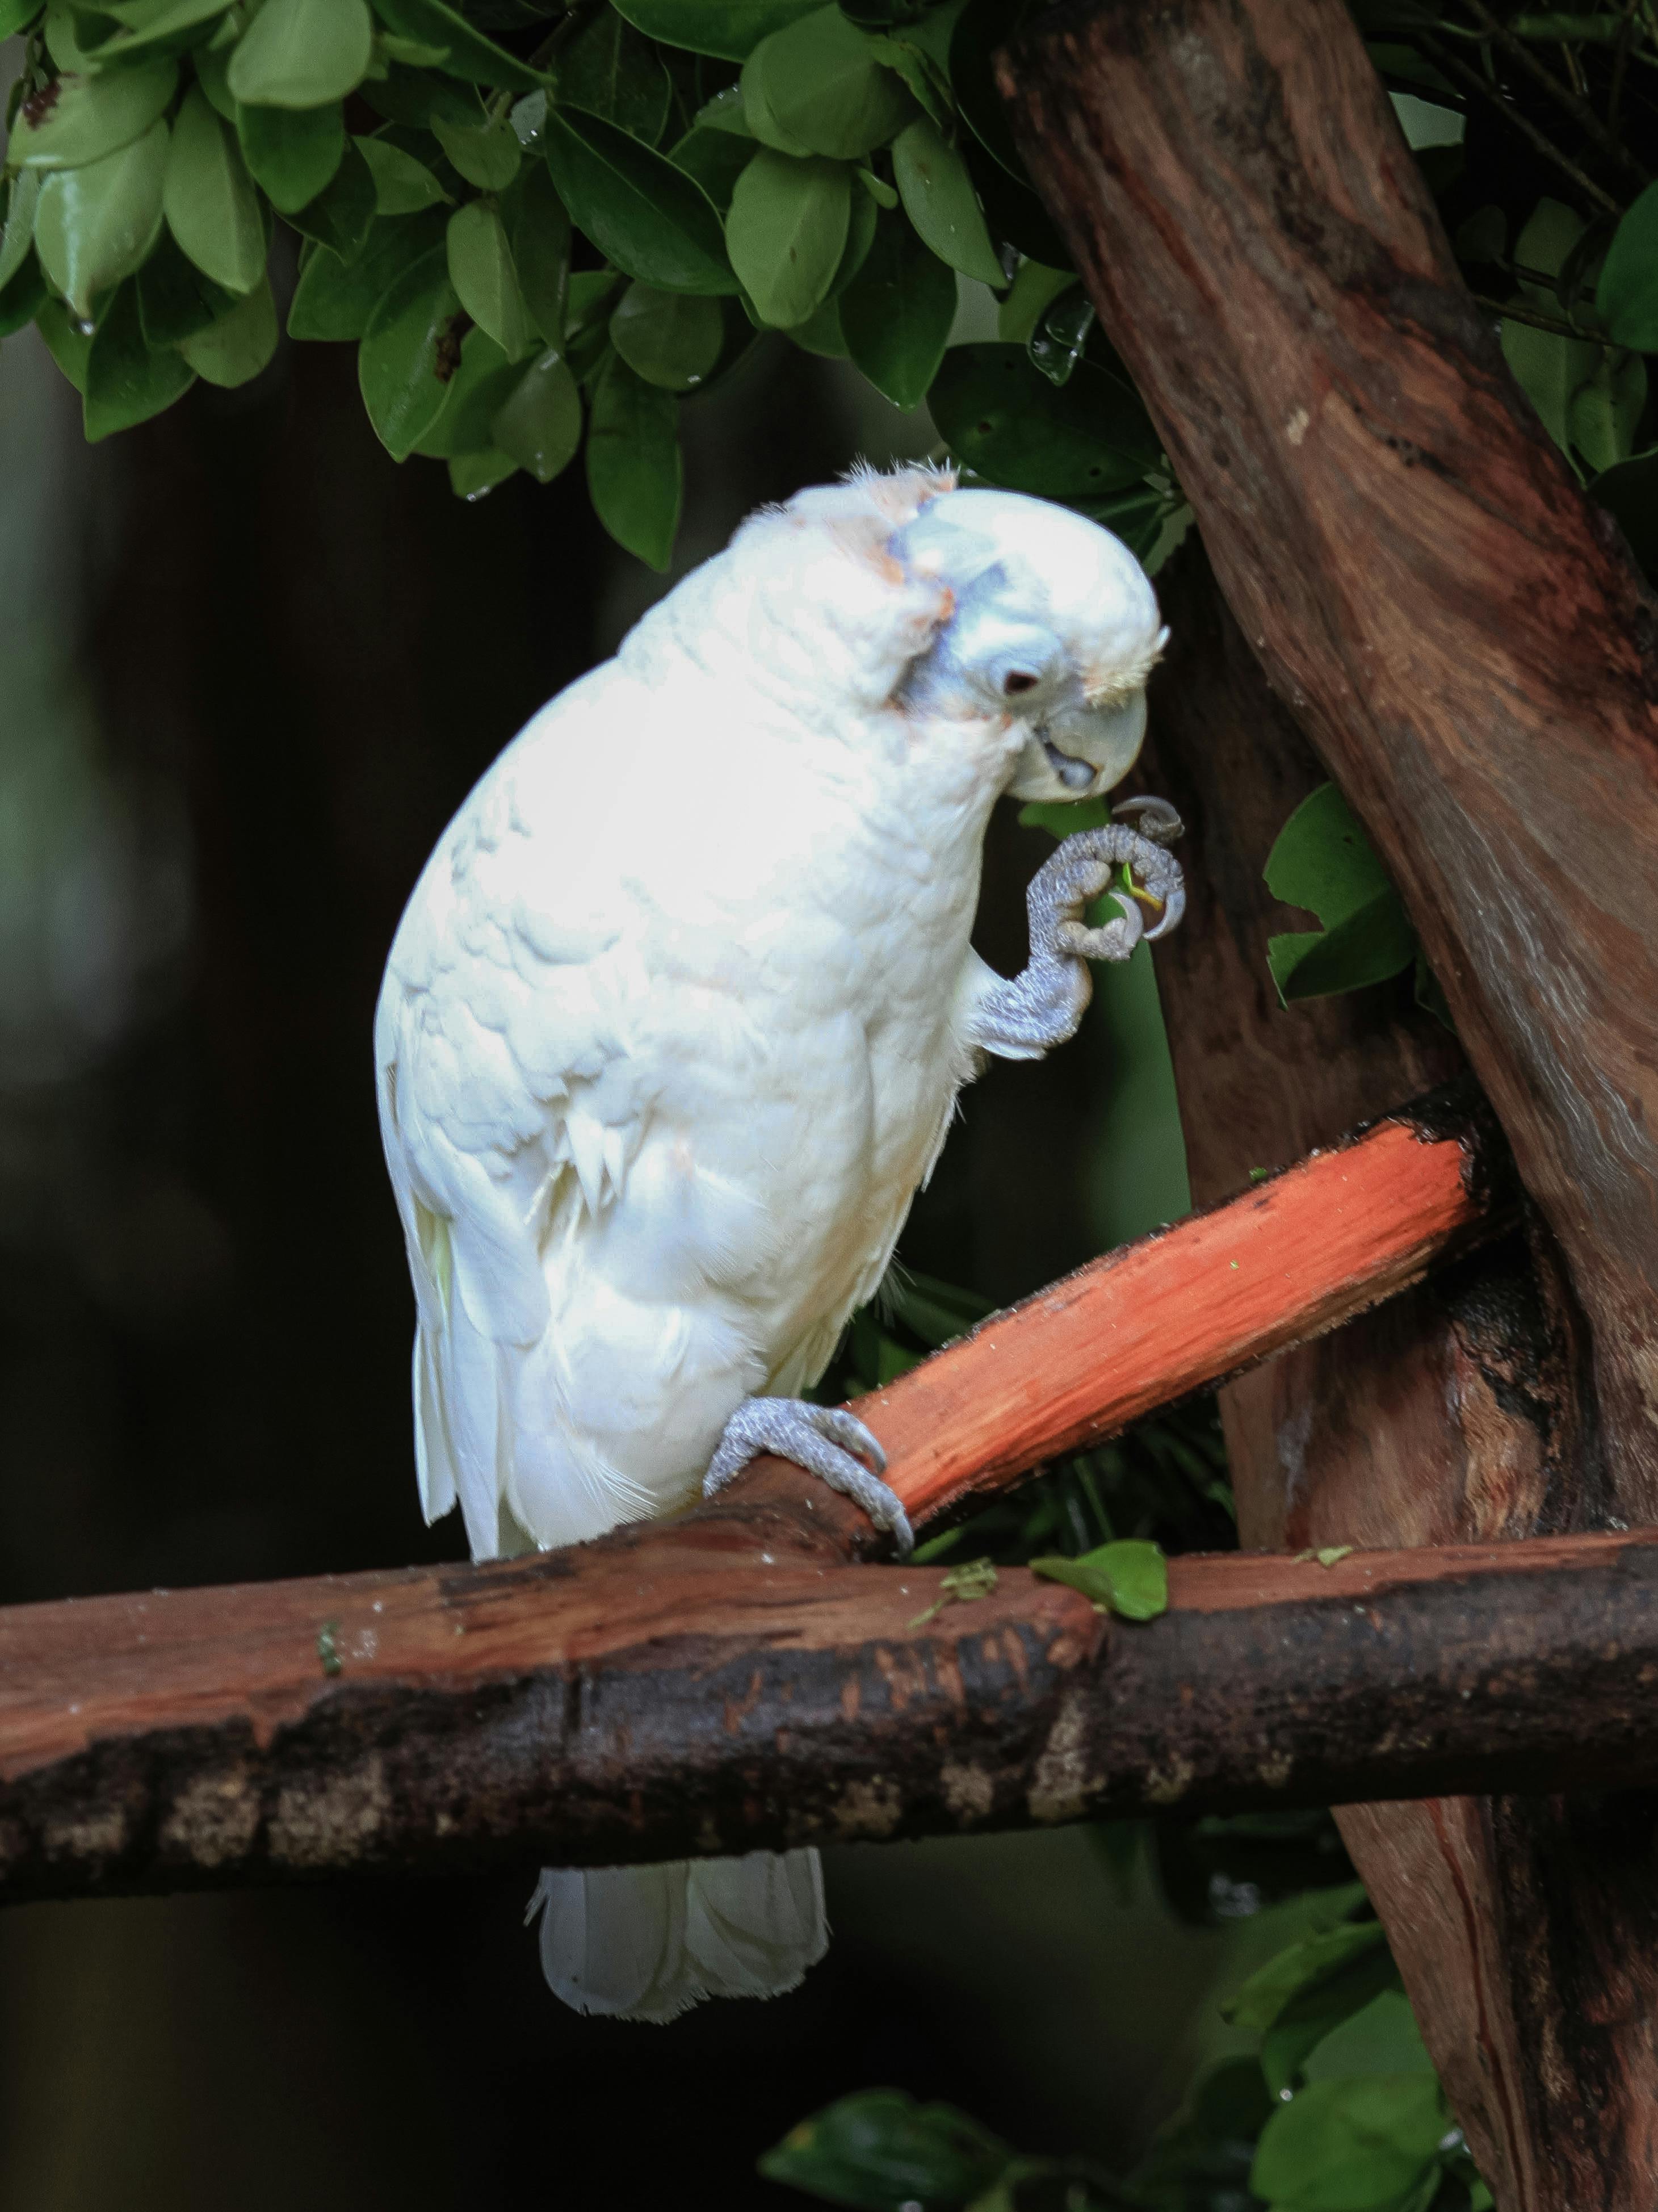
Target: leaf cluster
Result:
[[547, 228]]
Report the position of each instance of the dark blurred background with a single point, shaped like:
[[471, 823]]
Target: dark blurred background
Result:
[[251, 667]]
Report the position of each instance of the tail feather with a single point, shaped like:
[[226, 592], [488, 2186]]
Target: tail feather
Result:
[[648, 1943]]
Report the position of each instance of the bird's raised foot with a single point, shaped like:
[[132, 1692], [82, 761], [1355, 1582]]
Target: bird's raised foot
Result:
[[828, 1442]]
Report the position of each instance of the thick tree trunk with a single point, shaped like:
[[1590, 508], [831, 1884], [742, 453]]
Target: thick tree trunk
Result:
[[1447, 1417]]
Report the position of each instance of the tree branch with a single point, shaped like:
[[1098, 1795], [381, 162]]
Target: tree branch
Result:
[[729, 1679]]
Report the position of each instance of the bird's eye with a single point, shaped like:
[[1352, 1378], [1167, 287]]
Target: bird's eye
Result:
[[1018, 680]]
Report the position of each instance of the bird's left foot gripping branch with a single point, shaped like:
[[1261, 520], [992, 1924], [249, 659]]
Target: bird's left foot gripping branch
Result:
[[672, 1033]]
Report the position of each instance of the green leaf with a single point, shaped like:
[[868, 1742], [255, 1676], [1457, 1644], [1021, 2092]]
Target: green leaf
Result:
[[1626, 297], [1606, 408], [1548, 367], [980, 29], [409, 351], [670, 338], [293, 153], [643, 213], [467, 54], [16, 15], [1082, 439], [95, 225], [68, 342], [540, 233], [1317, 1963], [212, 208], [77, 121], [175, 299], [474, 475], [1377, 2036], [716, 158], [786, 233], [235, 349], [1351, 2145], [731, 29], [22, 294], [1130, 1577], [340, 214], [483, 380], [611, 71], [540, 425], [127, 381], [19, 234], [821, 84], [879, 2149], [486, 284], [302, 53], [634, 470], [896, 313], [335, 298], [146, 36], [939, 197], [820, 333], [403, 185], [486, 153], [212, 74], [1321, 860], [1034, 291]]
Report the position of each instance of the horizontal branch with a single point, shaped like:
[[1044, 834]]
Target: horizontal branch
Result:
[[730, 1679]]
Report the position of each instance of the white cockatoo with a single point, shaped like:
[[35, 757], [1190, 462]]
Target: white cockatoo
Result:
[[672, 1031]]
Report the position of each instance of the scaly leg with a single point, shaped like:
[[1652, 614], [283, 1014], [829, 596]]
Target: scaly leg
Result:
[[826, 1441], [1028, 1014]]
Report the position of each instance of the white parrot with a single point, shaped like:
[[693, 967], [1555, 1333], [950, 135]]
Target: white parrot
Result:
[[672, 1031]]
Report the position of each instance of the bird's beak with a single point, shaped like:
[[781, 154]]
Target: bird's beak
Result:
[[1078, 751]]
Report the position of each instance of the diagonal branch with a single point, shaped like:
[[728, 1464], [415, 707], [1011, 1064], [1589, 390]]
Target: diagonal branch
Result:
[[731, 1679]]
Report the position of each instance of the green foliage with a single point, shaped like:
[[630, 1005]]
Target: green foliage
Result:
[[815, 165], [1129, 1578]]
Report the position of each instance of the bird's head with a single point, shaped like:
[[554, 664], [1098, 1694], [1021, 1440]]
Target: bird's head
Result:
[[1054, 628]]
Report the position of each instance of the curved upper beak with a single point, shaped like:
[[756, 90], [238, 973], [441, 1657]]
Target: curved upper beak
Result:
[[1078, 750]]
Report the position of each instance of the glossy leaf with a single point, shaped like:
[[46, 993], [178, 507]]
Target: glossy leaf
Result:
[[1034, 290], [409, 351], [644, 215], [94, 225], [211, 206], [466, 52], [939, 197], [486, 284], [486, 153], [335, 298], [19, 233], [1350, 2145], [149, 34], [293, 153], [403, 184], [540, 425], [68, 342], [1322, 861], [127, 380], [716, 158], [233, 350], [785, 232], [77, 121], [1082, 439], [474, 475], [539, 230], [175, 299], [341, 214], [730, 29], [484, 380], [1129, 1578], [670, 338], [821, 85], [634, 470], [1626, 297], [879, 2149], [301, 53], [612, 71], [897, 313]]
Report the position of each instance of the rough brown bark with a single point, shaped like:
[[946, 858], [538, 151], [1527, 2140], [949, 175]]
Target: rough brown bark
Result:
[[1447, 1417], [1458, 629], [734, 1682]]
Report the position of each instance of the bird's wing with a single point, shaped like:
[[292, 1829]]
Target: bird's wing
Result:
[[509, 1099]]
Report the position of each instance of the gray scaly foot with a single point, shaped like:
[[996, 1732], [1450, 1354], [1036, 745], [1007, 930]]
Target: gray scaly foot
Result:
[[827, 1441]]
